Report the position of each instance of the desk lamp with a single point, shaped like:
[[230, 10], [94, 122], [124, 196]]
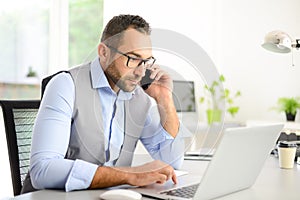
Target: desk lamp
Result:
[[280, 42]]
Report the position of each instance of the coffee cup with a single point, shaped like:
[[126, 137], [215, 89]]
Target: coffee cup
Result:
[[286, 153]]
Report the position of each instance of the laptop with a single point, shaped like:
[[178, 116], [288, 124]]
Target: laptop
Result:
[[235, 166]]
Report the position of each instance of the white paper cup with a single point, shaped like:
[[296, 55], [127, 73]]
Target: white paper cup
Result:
[[287, 153]]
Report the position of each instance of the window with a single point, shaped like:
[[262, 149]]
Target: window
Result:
[[23, 39], [38, 38], [85, 26]]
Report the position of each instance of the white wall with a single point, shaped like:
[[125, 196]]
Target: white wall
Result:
[[263, 76], [231, 32]]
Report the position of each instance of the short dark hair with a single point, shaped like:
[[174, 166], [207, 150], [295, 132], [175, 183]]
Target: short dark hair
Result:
[[120, 23]]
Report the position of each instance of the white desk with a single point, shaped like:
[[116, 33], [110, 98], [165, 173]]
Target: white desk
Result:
[[273, 183]]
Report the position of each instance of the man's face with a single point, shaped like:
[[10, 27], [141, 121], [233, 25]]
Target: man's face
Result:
[[134, 44]]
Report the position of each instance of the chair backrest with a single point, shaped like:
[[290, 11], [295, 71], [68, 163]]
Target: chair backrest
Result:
[[19, 117], [46, 80]]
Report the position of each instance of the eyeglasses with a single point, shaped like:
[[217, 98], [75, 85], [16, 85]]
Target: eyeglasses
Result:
[[134, 62]]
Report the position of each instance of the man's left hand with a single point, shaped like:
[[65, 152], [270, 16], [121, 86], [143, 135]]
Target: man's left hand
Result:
[[162, 85]]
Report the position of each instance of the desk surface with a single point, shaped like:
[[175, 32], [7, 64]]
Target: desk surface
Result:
[[273, 183]]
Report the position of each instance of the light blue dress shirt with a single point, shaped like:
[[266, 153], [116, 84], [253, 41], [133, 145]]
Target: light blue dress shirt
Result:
[[52, 131]]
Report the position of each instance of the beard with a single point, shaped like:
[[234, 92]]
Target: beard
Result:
[[126, 82]]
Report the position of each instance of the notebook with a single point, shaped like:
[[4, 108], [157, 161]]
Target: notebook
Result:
[[239, 158]]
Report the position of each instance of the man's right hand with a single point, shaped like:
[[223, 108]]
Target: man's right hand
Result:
[[152, 172], [149, 173]]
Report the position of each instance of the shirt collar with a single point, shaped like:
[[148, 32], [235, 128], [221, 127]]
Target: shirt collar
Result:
[[100, 81]]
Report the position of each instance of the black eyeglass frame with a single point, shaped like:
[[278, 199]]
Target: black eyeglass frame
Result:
[[129, 57]]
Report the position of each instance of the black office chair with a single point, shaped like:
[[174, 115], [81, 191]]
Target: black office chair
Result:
[[19, 117]]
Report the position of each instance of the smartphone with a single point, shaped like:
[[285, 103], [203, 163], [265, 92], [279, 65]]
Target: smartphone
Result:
[[146, 80]]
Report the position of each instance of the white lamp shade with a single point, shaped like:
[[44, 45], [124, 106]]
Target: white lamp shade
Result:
[[278, 41]]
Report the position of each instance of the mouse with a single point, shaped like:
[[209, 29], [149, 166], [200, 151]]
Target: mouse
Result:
[[120, 194]]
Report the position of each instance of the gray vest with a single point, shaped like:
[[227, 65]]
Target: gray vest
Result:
[[87, 136]]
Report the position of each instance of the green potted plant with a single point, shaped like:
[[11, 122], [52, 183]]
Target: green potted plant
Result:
[[31, 72], [289, 106], [215, 94]]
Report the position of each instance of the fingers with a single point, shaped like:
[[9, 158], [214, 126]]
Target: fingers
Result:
[[162, 78], [153, 172], [165, 177], [161, 179], [154, 71], [157, 73], [174, 178], [143, 179], [168, 173]]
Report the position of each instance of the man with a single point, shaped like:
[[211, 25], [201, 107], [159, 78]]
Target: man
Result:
[[90, 119]]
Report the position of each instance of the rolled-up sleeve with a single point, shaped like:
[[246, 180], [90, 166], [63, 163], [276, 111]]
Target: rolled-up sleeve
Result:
[[81, 175]]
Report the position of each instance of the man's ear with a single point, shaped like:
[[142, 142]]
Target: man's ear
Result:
[[103, 53]]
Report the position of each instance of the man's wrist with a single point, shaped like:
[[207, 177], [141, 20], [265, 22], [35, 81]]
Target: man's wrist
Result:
[[125, 173], [110, 176], [164, 98]]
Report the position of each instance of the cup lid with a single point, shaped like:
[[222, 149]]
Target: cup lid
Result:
[[287, 144]]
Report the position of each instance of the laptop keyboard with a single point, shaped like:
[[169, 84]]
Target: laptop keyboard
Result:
[[185, 192]]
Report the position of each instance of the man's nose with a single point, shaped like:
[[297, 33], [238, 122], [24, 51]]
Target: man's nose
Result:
[[140, 70]]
